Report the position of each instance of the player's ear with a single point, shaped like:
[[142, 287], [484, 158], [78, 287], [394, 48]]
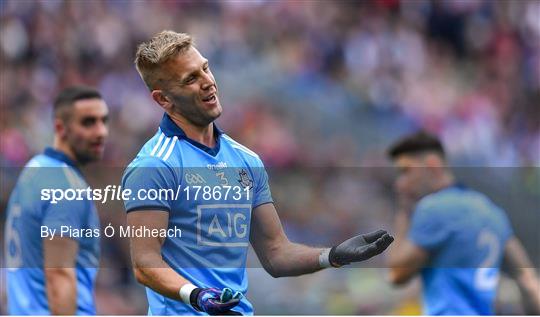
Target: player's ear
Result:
[[60, 128], [162, 100]]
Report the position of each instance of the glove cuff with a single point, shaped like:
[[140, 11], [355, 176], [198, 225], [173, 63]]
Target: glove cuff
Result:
[[188, 292], [324, 259], [194, 299]]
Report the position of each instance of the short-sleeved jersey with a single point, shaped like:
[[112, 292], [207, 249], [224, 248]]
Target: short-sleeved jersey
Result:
[[465, 234], [213, 193], [27, 213]]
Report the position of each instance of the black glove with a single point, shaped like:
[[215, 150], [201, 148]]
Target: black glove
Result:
[[358, 248]]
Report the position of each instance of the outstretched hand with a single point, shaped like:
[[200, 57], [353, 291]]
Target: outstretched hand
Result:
[[360, 248]]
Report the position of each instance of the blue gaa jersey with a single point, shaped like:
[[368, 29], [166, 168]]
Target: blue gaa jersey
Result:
[[465, 234], [27, 214], [212, 193]]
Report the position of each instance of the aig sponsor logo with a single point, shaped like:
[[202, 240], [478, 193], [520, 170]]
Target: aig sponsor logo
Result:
[[223, 225]]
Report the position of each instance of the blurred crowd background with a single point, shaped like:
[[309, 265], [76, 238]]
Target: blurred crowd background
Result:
[[319, 89]]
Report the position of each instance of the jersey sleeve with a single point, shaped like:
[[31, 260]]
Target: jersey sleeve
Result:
[[429, 227], [261, 188], [145, 178]]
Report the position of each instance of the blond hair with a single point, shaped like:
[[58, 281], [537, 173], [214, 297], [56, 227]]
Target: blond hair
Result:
[[153, 54]]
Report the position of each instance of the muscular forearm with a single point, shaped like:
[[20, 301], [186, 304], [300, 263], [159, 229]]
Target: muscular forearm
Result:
[[398, 272], [401, 226], [404, 258], [529, 286], [160, 277], [280, 257], [521, 269], [148, 265], [292, 259], [61, 290]]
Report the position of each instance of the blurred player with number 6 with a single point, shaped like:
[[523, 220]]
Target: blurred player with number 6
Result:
[[55, 275]]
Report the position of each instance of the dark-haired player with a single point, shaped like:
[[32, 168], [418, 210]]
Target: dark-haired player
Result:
[[55, 275], [454, 236]]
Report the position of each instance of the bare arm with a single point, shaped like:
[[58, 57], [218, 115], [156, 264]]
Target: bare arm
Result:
[[523, 272], [60, 276], [405, 259], [148, 265], [278, 255]]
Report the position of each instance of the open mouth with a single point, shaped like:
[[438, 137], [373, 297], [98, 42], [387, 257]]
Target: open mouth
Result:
[[211, 98], [97, 146]]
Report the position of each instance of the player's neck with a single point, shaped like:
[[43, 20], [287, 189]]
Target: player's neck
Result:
[[446, 180], [64, 148], [203, 135]]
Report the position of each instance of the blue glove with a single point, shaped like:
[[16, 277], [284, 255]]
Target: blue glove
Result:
[[214, 301]]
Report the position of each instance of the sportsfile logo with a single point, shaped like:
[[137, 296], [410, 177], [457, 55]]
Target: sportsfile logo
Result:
[[223, 225]]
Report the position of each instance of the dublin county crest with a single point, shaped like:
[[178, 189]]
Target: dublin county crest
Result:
[[244, 180]]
